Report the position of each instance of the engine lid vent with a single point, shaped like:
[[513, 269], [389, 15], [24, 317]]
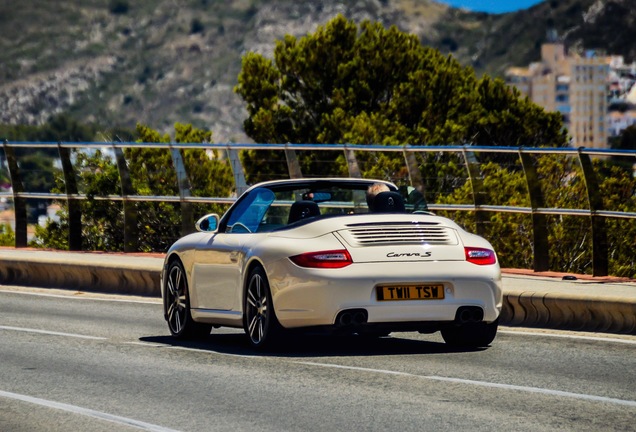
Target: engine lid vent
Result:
[[359, 235]]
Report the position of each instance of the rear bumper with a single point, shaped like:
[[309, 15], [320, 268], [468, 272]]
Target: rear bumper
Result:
[[314, 297]]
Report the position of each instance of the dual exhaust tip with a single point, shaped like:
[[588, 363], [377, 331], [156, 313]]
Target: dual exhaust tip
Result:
[[469, 314], [352, 317]]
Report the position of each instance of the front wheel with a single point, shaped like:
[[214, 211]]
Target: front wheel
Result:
[[260, 322], [471, 335], [177, 305]]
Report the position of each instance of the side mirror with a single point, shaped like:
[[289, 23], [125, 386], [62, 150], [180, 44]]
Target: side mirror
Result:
[[208, 223]]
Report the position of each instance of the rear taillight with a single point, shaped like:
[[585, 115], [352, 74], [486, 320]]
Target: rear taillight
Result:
[[323, 259], [480, 256]]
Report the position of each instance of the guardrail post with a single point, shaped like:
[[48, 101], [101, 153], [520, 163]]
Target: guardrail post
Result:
[[600, 264], [292, 164], [19, 204], [477, 184], [131, 238], [541, 246], [352, 163], [415, 176], [237, 169], [74, 206], [187, 221]]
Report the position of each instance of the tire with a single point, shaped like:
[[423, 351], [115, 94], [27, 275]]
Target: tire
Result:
[[260, 323], [177, 306], [471, 335]]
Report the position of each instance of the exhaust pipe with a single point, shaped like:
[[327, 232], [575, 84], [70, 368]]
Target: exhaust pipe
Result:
[[469, 314], [352, 317], [359, 317], [345, 319]]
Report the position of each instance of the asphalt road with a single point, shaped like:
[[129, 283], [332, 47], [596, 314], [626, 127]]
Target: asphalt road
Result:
[[71, 361]]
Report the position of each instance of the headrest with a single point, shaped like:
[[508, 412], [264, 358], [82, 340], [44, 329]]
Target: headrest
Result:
[[388, 202], [302, 210]]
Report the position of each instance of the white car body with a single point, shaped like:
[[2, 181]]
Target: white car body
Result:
[[419, 254]]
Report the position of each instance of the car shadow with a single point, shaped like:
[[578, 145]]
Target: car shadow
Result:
[[309, 345]]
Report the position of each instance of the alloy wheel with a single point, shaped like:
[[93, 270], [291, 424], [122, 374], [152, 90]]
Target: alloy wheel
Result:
[[176, 300], [258, 314]]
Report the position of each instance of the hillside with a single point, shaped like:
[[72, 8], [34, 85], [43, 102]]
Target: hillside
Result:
[[118, 62]]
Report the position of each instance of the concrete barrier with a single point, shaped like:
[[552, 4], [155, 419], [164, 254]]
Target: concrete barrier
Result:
[[114, 280]]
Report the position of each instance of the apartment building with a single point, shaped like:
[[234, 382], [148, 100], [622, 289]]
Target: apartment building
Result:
[[622, 109], [574, 85]]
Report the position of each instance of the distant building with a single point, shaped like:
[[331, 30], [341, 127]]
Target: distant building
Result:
[[582, 88], [618, 121]]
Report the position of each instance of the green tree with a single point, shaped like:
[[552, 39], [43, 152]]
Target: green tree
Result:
[[370, 85], [618, 189], [510, 234], [38, 175], [507, 119], [209, 172], [626, 140], [153, 173], [7, 236], [102, 220]]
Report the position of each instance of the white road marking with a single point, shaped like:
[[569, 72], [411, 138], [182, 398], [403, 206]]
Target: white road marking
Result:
[[87, 412], [83, 295], [570, 336], [539, 390], [52, 333]]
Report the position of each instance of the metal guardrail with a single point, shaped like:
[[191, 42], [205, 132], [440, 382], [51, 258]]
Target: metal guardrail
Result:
[[537, 210]]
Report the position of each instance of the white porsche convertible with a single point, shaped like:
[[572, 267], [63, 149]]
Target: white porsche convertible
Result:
[[323, 254]]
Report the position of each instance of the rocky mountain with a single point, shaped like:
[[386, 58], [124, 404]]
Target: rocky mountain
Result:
[[119, 62]]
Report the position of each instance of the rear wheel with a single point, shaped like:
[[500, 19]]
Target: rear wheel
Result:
[[471, 335], [260, 322], [178, 315]]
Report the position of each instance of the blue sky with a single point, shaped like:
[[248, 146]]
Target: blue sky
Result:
[[492, 6]]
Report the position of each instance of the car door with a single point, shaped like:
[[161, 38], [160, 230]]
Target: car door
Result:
[[217, 272], [218, 269]]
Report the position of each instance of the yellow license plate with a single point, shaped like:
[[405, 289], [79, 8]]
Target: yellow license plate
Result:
[[410, 292]]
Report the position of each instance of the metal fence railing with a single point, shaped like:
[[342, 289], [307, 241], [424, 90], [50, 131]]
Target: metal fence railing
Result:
[[471, 158]]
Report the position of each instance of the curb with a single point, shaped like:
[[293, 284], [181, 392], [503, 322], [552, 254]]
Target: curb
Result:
[[569, 312]]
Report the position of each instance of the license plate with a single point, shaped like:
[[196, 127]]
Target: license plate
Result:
[[410, 292]]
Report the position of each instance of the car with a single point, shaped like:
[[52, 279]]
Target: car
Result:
[[325, 254]]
